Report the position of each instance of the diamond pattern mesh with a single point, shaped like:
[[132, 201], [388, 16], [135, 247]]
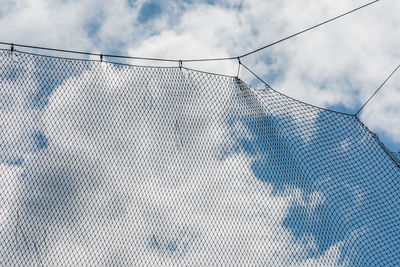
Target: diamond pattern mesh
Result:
[[107, 164]]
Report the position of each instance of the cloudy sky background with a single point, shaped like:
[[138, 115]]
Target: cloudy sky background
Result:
[[93, 142], [337, 66]]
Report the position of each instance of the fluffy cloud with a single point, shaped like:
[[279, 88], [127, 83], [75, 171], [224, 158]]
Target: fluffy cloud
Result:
[[10, 185], [19, 120], [382, 112]]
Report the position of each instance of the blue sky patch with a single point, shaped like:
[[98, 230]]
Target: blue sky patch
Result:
[[149, 11], [40, 140]]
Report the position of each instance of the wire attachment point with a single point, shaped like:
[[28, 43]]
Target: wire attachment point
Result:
[[101, 57], [240, 63], [180, 64], [12, 47]]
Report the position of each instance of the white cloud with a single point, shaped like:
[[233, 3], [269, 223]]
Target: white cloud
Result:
[[381, 113], [19, 120], [329, 259], [10, 186]]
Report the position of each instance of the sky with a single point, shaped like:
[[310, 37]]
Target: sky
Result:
[[337, 66], [285, 186]]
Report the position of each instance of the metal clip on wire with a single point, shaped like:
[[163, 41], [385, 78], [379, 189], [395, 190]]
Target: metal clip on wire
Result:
[[240, 63], [101, 57], [180, 64], [12, 54]]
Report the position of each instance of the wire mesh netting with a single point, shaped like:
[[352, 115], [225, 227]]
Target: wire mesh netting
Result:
[[118, 165]]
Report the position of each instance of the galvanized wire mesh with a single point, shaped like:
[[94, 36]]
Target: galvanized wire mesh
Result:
[[117, 165]]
